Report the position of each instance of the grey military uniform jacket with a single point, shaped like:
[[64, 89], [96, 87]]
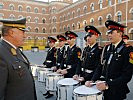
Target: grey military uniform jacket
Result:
[[16, 81]]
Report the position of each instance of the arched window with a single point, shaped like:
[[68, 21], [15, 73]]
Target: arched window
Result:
[[54, 29], [1, 6], [28, 9], [68, 15], [12, 16], [119, 14], [109, 17], [43, 10], [20, 16], [68, 27], [73, 14], [100, 20], [36, 30], [92, 7], [78, 12], [109, 2], [54, 19], [73, 26], [119, 1], [20, 7], [44, 30], [11, 7], [29, 28], [84, 23], [131, 34], [131, 12], [65, 28], [92, 21], [53, 9], [100, 4], [36, 20], [36, 10], [43, 20], [85, 9], [78, 25], [28, 19]]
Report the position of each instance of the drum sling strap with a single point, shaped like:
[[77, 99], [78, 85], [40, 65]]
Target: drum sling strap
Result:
[[109, 60]]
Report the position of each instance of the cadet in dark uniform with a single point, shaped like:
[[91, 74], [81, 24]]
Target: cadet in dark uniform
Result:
[[73, 56], [91, 54], [50, 59], [16, 81], [51, 55], [60, 59], [125, 38], [117, 65]]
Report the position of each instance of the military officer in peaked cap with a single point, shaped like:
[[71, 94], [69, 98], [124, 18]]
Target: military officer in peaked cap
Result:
[[61, 52], [91, 54], [116, 65], [50, 60], [73, 56], [16, 81]]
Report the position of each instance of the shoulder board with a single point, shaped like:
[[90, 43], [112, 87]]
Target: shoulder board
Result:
[[127, 45]]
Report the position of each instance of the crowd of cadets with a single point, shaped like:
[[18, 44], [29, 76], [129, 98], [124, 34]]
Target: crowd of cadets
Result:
[[112, 64]]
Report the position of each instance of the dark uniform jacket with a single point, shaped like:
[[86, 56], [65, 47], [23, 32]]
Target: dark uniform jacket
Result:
[[73, 62], [50, 58], [16, 81], [60, 57], [90, 61], [116, 71]]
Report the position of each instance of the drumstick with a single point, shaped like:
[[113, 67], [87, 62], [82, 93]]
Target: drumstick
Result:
[[97, 82]]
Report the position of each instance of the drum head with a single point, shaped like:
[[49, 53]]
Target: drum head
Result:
[[67, 81], [83, 90], [54, 74]]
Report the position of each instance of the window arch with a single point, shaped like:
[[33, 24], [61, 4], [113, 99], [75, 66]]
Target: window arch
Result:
[[84, 23], [68, 15], [119, 15], [131, 12], [44, 30], [73, 26], [11, 7], [53, 9], [29, 28], [12, 16], [28, 8], [36, 10], [73, 14], [36, 29], [43, 20], [78, 25], [100, 2], [1, 6], [109, 16], [100, 19], [85, 9], [36, 19], [28, 18], [92, 7], [131, 33], [43, 10], [54, 29], [20, 7], [92, 21], [54, 19], [68, 27], [64, 27], [78, 12]]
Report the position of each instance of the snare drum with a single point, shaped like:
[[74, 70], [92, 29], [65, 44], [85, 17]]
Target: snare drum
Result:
[[42, 73], [51, 81], [65, 88], [87, 93], [34, 70]]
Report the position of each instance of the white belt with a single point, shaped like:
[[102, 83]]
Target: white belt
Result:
[[69, 66], [58, 64], [86, 70], [48, 61]]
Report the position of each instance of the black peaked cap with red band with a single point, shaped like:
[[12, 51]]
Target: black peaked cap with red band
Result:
[[61, 38], [91, 30], [70, 34], [125, 37], [112, 25], [51, 39]]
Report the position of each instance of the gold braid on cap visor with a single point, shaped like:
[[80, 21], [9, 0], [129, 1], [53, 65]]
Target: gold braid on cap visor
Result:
[[16, 25]]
